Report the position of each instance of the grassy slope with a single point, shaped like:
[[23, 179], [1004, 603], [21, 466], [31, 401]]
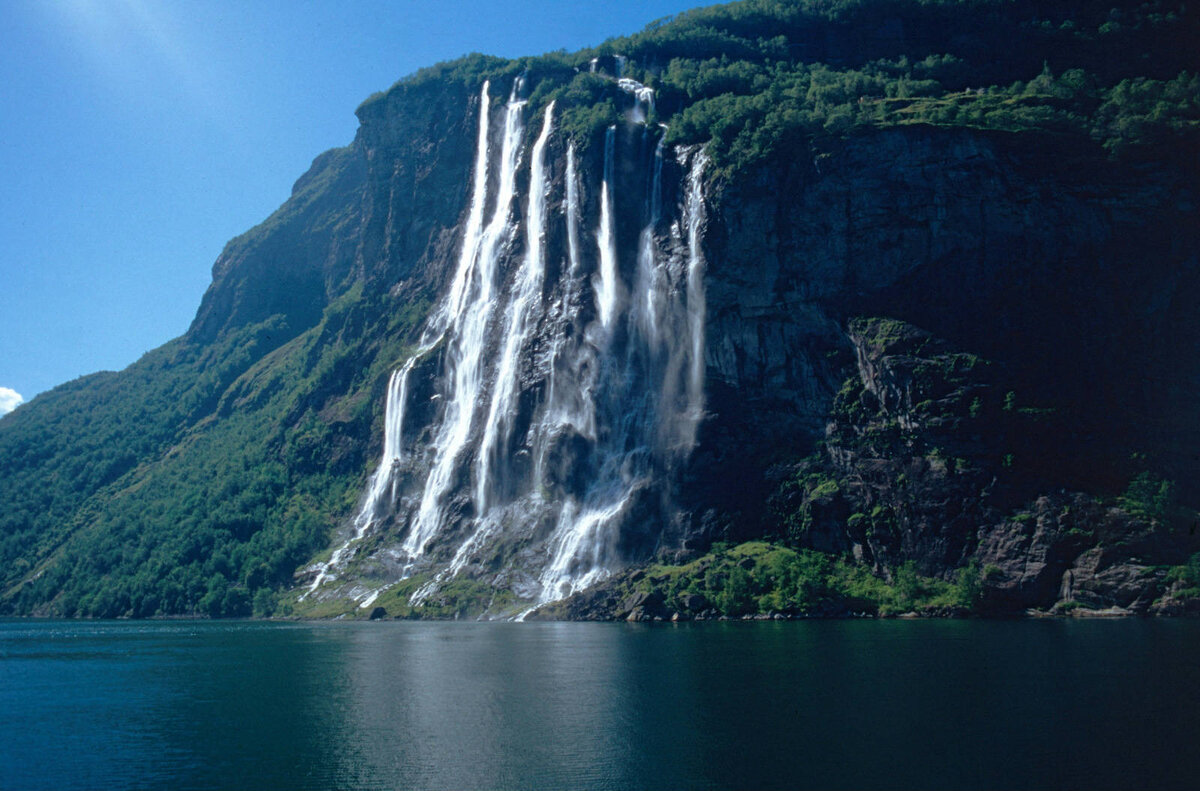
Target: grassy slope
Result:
[[222, 505]]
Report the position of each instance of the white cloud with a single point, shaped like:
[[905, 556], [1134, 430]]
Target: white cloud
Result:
[[9, 400]]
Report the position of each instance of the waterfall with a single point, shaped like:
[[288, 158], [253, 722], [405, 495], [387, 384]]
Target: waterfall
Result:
[[465, 356], [643, 104], [522, 308], [472, 233], [650, 278], [651, 402], [694, 216], [568, 385], [607, 284], [571, 210], [377, 500]]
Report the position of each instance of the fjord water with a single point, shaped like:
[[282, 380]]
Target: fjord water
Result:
[[839, 704]]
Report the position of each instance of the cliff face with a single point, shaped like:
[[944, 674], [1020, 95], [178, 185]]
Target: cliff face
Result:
[[381, 211], [1073, 273], [294, 262], [1034, 337], [535, 434], [519, 339], [952, 325]]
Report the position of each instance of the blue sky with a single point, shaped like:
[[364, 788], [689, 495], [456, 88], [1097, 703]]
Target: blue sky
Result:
[[138, 136]]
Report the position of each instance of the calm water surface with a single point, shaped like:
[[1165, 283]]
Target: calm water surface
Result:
[[842, 704]]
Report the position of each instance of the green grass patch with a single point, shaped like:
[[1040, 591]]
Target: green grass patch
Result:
[[760, 577]]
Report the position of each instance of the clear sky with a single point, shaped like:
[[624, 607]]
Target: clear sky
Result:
[[138, 136]]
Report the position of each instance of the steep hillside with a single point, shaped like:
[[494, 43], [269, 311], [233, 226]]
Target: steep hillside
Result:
[[944, 333]]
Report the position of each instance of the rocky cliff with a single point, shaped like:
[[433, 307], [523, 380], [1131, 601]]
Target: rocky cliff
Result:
[[1022, 249], [973, 342]]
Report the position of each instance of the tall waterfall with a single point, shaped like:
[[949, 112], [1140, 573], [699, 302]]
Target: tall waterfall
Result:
[[523, 308], [468, 337], [607, 282], [567, 378]]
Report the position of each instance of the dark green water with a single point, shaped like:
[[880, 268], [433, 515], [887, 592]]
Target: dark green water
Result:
[[844, 704]]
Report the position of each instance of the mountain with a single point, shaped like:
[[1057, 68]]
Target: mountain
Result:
[[814, 307]]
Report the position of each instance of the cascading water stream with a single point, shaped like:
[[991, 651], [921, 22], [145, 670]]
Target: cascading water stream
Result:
[[643, 98], [465, 355], [570, 386], [607, 283], [583, 546], [552, 435], [571, 210], [382, 483], [650, 278], [696, 302], [473, 232], [647, 425], [523, 308]]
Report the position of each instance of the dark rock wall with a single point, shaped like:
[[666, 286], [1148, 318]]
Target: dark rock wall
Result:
[[418, 142], [1044, 345], [1073, 273]]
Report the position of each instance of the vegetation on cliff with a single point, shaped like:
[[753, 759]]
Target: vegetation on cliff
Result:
[[758, 578], [932, 463], [199, 479], [754, 78]]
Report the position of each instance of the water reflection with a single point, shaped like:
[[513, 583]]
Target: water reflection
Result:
[[595, 706], [489, 706]]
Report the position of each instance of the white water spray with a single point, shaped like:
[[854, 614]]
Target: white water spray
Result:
[[570, 387], [643, 104], [523, 310], [554, 440], [468, 338], [694, 216], [608, 286], [378, 501]]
